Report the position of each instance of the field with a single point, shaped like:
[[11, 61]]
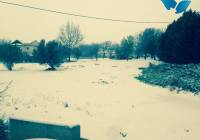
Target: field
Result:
[[104, 98]]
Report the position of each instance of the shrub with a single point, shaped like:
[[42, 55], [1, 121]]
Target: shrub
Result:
[[181, 77], [9, 54], [50, 54]]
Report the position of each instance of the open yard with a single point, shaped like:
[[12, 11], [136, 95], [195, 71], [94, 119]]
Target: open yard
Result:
[[104, 98]]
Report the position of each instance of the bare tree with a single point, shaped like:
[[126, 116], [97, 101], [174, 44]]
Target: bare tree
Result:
[[70, 36], [105, 46]]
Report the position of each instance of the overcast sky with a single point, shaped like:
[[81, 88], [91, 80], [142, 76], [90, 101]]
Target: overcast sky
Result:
[[27, 24]]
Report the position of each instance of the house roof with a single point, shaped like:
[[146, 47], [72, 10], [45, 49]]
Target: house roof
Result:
[[33, 44], [16, 42]]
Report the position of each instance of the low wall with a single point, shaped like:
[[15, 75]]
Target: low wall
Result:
[[24, 129]]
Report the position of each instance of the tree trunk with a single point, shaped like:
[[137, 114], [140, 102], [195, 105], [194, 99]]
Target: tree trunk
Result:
[[9, 66], [96, 57], [145, 56]]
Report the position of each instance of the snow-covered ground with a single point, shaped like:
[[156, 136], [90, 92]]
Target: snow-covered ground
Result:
[[104, 98]]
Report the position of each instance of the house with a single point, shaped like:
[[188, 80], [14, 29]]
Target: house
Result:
[[27, 48], [17, 43]]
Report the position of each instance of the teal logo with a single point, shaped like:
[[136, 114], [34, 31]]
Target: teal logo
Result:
[[179, 7]]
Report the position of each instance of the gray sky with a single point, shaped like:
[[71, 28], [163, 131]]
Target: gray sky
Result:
[[27, 24]]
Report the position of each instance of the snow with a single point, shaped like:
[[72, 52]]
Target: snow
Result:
[[104, 98]]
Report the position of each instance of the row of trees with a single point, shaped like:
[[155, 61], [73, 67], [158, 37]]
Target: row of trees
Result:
[[180, 43]]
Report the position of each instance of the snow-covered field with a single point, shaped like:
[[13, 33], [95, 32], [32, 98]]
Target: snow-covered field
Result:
[[104, 98]]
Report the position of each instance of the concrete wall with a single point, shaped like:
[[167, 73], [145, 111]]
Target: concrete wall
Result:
[[23, 129]]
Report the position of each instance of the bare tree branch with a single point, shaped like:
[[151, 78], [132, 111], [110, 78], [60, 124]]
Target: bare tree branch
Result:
[[70, 35], [6, 88]]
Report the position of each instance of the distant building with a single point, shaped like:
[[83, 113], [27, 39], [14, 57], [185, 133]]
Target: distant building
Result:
[[26, 47], [108, 53]]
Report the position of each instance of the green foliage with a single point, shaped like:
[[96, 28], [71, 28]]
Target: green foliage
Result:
[[54, 55], [126, 49], [180, 43], [40, 54], [148, 43], [180, 77], [77, 53], [95, 50], [90, 50], [9, 54], [50, 54], [27, 57]]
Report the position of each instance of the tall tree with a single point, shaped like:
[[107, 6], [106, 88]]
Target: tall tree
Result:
[[148, 42], [127, 47], [41, 53], [54, 57], [50, 54], [70, 36], [181, 41]]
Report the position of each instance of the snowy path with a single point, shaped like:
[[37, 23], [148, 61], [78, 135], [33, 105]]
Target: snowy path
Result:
[[104, 98]]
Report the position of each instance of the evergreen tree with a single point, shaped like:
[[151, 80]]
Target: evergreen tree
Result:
[[127, 47], [41, 53], [181, 41], [54, 57], [148, 43], [9, 54], [50, 54]]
